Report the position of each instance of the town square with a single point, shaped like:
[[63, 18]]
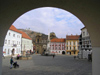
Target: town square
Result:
[[47, 65]]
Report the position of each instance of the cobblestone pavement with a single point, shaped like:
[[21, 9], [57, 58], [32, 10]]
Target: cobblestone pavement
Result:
[[46, 65]]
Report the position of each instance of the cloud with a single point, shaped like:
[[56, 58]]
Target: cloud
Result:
[[57, 20]]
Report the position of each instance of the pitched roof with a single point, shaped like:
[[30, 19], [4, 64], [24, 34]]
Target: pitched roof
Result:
[[72, 37], [24, 35], [58, 40], [14, 29]]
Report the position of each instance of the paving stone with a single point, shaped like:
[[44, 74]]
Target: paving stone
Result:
[[46, 65]]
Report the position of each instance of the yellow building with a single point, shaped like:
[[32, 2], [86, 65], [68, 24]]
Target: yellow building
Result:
[[72, 44]]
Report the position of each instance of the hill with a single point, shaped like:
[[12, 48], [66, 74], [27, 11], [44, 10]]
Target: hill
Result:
[[32, 34]]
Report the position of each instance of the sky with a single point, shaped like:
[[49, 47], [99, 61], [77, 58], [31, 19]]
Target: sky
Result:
[[49, 19]]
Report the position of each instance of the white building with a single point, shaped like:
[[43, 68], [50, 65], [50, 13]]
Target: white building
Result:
[[12, 42], [26, 42], [57, 46], [85, 43]]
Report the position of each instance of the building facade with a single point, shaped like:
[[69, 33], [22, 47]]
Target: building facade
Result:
[[41, 43], [26, 42], [85, 43], [57, 46], [12, 42], [72, 44]]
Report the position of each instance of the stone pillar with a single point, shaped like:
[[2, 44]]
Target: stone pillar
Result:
[[96, 61], [1, 51]]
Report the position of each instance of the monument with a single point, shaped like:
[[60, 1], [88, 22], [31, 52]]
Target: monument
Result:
[[25, 56], [47, 52]]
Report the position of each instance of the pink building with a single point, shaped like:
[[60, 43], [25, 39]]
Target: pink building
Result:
[[57, 46]]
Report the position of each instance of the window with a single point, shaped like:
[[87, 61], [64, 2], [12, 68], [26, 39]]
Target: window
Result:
[[56, 47], [83, 33], [8, 41], [63, 47], [87, 33], [18, 36], [5, 41], [8, 51], [59, 48], [37, 40], [19, 43], [74, 43], [52, 47], [13, 35], [68, 43], [9, 33], [70, 48], [74, 48], [12, 42], [67, 48]]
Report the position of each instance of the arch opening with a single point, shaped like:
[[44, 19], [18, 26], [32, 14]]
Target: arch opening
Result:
[[91, 13], [63, 52]]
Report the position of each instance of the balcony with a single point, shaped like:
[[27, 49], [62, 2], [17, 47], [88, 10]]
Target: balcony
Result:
[[14, 45]]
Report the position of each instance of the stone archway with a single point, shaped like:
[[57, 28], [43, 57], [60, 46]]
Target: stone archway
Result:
[[63, 52], [87, 11]]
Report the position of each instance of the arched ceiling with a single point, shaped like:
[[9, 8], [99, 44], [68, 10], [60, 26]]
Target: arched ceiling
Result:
[[86, 10]]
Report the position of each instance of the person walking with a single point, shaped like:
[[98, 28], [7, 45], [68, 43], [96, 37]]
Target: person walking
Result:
[[11, 62], [3, 56], [53, 56], [18, 56]]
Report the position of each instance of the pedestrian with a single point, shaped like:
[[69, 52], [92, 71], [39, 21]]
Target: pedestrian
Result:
[[18, 56], [11, 62], [30, 51], [74, 57], [3, 56], [53, 56]]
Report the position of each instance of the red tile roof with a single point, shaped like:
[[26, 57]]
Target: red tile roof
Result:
[[72, 37], [24, 35], [58, 40], [14, 29]]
